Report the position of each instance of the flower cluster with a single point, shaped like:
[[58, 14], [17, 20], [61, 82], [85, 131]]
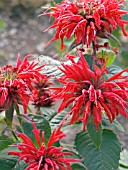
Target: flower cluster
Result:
[[87, 89], [16, 82], [40, 93], [90, 94], [86, 19], [43, 157]]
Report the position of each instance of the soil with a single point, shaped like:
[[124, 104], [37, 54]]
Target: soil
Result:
[[23, 33]]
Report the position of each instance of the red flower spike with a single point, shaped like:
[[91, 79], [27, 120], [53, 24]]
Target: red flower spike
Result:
[[44, 157], [86, 19], [16, 82], [90, 94], [36, 133], [57, 134]]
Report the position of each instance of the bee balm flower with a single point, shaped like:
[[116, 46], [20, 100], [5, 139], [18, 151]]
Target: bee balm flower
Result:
[[86, 19], [40, 93], [16, 82], [43, 157], [90, 94]]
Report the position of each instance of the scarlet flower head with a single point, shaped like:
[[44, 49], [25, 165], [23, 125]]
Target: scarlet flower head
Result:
[[41, 94], [86, 19], [90, 94], [43, 157], [16, 82]]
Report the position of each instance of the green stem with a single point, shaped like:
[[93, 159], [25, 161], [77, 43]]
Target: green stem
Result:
[[9, 113], [94, 48], [13, 133], [18, 114]]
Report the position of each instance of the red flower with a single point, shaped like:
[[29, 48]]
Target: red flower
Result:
[[43, 157], [16, 82], [90, 94], [40, 93], [86, 19]]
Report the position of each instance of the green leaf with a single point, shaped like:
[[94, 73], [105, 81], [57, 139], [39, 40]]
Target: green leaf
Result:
[[115, 42], [89, 59], [5, 141], [7, 162], [111, 58], [106, 54], [51, 66], [113, 69], [124, 159], [125, 17], [95, 135], [78, 167], [74, 153], [20, 166], [53, 116], [41, 124], [58, 1], [115, 125], [123, 61], [55, 121], [122, 168], [106, 157], [48, 113]]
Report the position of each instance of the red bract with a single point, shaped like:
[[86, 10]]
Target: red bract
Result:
[[16, 82], [86, 19], [40, 93], [90, 94], [43, 157]]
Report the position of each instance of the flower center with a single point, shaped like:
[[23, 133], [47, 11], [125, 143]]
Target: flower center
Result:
[[87, 8], [8, 73]]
